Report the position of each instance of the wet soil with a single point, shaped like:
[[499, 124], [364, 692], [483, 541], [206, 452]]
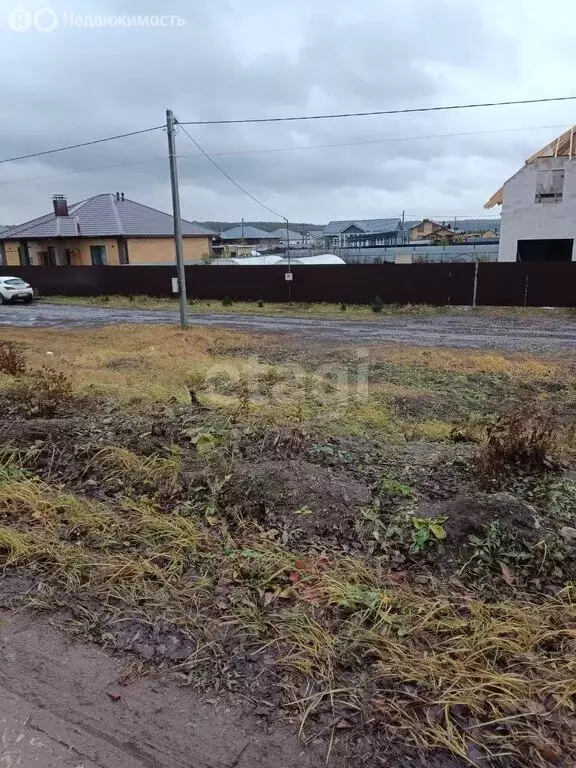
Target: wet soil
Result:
[[67, 704]]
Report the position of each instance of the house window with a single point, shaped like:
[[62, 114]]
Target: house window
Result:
[[549, 186], [98, 255]]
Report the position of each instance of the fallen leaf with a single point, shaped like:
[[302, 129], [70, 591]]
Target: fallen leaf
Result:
[[269, 597], [507, 575], [310, 595], [397, 575], [549, 754]]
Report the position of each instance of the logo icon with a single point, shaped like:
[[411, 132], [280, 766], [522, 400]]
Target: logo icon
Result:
[[43, 20], [20, 20]]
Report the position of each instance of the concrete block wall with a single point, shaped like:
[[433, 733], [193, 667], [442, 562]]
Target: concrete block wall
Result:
[[525, 219]]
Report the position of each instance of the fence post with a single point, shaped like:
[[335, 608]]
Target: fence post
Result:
[[526, 291], [475, 290]]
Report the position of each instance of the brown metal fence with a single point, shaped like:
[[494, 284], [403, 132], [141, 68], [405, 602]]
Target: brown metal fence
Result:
[[516, 284]]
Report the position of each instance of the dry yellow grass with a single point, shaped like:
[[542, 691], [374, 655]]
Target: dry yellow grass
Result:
[[465, 361], [229, 372], [131, 360]]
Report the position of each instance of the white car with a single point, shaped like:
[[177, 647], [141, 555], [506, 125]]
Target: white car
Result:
[[15, 289]]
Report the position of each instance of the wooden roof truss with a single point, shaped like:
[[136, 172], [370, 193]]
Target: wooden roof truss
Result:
[[563, 146]]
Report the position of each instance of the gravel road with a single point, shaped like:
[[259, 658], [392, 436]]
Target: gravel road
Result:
[[473, 331]]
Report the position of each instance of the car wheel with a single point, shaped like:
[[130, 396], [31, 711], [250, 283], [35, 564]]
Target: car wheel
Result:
[[6, 300], [27, 299]]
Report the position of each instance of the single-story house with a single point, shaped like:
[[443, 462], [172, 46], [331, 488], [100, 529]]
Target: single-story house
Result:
[[314, 234], [105, 229], [291, 239], [246, 234], [360, 233]]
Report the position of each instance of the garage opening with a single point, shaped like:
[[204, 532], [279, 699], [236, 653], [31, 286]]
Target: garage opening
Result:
[[545, 250]]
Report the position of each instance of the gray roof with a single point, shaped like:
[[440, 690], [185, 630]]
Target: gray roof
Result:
[[370, 226], [281, 233], [104, 216], [248, 232], [476, 225]]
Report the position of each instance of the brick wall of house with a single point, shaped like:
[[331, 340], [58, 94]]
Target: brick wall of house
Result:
[[141, 250], [160, 250], [81, 257]]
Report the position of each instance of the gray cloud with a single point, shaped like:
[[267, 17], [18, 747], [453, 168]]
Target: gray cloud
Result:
[[254, 58]]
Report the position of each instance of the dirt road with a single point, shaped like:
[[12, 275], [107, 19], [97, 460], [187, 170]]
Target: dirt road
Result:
[[474, 331], [63, 705]]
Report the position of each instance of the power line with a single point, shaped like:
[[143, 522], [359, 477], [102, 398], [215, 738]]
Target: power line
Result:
[[236, 184], [234, 153], [409, 110], [390, 139], [82, 144]]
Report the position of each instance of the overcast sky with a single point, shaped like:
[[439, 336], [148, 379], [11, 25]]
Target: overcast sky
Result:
[[257, 58]]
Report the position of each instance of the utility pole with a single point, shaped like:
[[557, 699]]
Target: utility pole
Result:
[[170, 121], [289, 278]]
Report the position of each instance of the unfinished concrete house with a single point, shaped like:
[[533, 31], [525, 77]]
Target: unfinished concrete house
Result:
[[539, 206]]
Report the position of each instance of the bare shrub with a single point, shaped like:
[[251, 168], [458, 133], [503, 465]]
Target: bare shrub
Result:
[[523, 440], [42, 392], [12, 359]]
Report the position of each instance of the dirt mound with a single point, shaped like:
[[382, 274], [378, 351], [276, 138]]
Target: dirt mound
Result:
[[470, 515], [22, 431], [298, 494]]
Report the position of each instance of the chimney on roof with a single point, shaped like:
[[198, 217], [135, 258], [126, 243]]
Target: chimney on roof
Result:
[[60, 205], [117, 196], [122, 196]]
